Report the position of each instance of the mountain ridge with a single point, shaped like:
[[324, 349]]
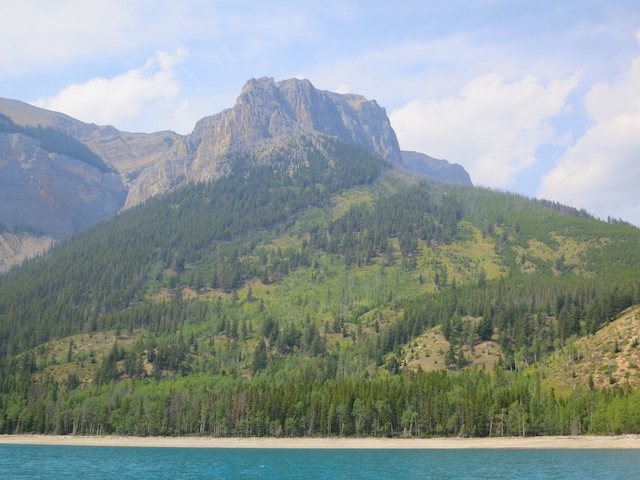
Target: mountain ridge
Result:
[[50, 192], [266, 113], [433, 168], [266, 116]]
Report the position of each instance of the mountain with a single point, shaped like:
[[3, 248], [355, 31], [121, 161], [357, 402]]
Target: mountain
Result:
[[267, 110], [51, 186], [319, 291], [59, 176], [439, 170], [55, 195], [291, 276], [127, 152], [266, 114]]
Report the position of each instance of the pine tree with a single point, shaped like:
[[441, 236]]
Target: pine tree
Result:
[[260, 357]]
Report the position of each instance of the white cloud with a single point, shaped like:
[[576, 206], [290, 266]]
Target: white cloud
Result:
[[111, 100], [40, 33], [410, 68], [601, 170], [491, 127]]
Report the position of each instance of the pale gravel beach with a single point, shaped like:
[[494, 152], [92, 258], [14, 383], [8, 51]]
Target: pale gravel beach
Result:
[[560, 442]]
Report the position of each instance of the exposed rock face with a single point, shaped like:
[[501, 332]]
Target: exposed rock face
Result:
[[128, 152], [57, 196], [267, 113], [267, 109], [52, 194], [439, 170], [16, 247]]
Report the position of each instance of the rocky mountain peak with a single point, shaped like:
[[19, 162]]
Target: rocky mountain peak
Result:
[[266, 114], [266, 109], [58, 194]]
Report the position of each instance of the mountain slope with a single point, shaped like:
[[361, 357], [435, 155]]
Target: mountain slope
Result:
[[266, 113], [608, 357], [108, 268], [298, 295], [17, 247], [267, 116], [293, 282], [50, 187], [127, 152]]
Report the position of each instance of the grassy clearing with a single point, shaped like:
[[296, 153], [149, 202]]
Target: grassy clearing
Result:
[[610, 357], [81, 354]]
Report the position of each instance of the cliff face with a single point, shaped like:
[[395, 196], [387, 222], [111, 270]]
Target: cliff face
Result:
[[267, 113], [267, 109], [52, 194], [128, 152]]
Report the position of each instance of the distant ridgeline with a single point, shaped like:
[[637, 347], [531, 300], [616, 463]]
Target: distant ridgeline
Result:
[[56, 141]]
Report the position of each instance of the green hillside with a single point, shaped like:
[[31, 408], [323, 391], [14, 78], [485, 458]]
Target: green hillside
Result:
[[322, 294]]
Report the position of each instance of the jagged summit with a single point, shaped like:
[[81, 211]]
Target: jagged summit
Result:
[[266, 114], [267, 109], [57, 195]]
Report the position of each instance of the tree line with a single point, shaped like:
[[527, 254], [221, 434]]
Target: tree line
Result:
[[468, 403]]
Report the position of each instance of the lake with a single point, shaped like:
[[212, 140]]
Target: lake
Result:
[[40, 461]]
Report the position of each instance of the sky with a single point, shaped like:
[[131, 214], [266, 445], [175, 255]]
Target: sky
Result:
[[537, 97]]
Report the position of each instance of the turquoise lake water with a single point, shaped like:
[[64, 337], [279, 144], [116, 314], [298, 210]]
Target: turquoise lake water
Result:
[[39, 461]]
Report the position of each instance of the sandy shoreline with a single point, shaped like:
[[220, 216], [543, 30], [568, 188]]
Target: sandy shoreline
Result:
[[577, 442]]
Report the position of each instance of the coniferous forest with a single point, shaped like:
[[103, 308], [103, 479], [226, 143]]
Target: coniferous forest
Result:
[[299, 297]]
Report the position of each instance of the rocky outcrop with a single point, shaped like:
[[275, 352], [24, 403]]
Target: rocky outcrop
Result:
[[17, 247], [52, 194], [266, 114], [58, 195], [434, 169], [267, 109], [128, 152]]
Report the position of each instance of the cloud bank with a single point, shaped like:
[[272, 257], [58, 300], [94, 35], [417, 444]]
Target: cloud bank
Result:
[[112, 100], [600, 171], [38, 34], [491, 127]]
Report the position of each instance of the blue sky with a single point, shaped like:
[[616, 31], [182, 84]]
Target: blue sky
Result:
[[538, 97]]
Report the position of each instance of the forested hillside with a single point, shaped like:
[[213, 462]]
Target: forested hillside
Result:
[[303, 296]]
